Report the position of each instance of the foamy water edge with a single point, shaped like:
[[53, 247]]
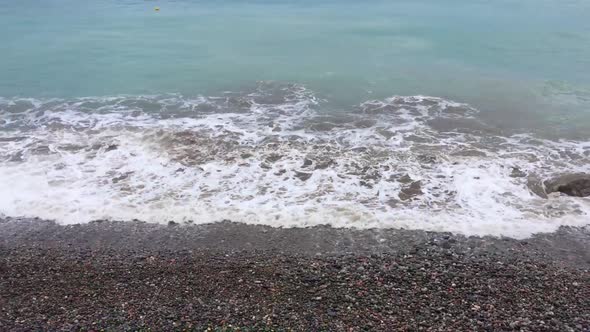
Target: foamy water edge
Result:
[[269, 157]]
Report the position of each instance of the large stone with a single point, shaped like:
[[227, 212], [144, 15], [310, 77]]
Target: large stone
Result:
[[577, 185]]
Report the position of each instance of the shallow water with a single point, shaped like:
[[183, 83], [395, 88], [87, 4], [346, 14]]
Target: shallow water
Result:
[[296, 113]]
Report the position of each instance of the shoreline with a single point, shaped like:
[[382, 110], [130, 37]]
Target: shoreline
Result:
[[568, 246], [225, 276]]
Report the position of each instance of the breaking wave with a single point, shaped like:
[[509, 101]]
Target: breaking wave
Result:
[[272, 156]]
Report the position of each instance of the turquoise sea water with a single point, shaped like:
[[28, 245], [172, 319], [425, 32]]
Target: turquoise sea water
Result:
[[493, 54], [432, 114]]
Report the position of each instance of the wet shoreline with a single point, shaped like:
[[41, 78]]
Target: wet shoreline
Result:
[[569, 246]]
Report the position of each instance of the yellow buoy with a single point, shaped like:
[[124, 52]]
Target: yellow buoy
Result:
[[157, 9]]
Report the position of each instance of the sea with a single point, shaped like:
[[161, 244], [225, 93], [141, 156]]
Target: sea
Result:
[[440, 115]]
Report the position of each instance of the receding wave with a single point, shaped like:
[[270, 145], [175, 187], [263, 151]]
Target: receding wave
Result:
[[271, 156]]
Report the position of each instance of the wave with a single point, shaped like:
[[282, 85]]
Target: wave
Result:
[[273, 156]]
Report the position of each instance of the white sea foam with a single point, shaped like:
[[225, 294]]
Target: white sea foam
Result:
[[269, 157]]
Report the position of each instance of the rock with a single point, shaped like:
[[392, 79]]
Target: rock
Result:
[[415, 189], [111, 147], [307, 162], [273, 158], [577, 185], [367, 123], [517, 173], [322, 126], [17, 157], [121, 177], [469, 153], [323, 164], [385, 133], [535, 185], [405, 179], [302, 175], [392, 202], [366, 184], [427, 159], [418, 139]]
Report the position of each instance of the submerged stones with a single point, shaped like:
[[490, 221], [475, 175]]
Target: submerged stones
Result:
[[517, 173], [469, 153], [413, 190], [302, 175], [323, 164], [405, 179], [111, 147], [426, 159], [272, 158], [316, 164], [121, 177], [365, 123], [322, 126], [577, 185]]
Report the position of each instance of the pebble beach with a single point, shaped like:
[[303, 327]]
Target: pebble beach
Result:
[[133, 276]]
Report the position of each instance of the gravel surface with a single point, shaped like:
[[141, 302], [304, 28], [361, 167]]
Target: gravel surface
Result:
[[136, 276]]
